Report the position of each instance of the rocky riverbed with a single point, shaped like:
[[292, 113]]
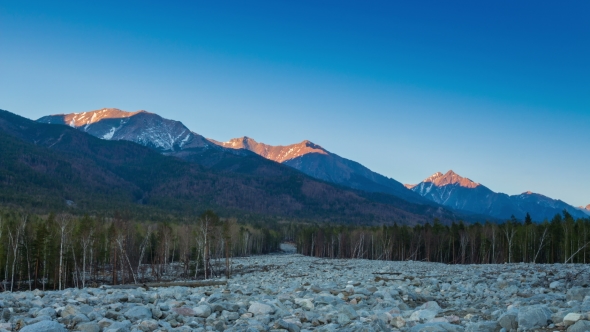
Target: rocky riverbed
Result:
[[297, 293]]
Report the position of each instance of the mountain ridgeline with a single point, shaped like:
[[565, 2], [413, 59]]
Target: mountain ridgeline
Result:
[[48, 167], [246, 157], [319, 163], [459, 193]]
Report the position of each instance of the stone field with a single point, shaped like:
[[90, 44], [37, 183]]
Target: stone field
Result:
[[297, 293]]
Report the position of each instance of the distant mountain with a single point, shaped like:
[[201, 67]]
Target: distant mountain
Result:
[[54, 167], [457, 192], [319, 163], [141, 127]]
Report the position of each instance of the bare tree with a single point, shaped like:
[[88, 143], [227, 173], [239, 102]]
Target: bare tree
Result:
[[143, 246], [542, 244], [121, 243], [15, 238], [87, 240], [63, 223], [509, 232]]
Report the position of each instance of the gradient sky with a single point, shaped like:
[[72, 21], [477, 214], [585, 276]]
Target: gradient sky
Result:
[[498, 91]]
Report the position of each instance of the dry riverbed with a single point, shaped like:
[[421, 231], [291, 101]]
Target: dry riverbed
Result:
[[297, 293]]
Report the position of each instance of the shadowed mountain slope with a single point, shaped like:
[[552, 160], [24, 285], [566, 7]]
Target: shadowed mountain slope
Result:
[[457, 192], [319, 163], [45, 166]]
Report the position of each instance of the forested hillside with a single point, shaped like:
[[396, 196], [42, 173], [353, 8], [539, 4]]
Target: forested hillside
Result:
[[53, 167]]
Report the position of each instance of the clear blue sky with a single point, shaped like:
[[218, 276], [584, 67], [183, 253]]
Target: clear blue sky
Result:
[[498, 91]]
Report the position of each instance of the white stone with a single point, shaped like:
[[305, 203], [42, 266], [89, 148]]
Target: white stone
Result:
[[571, 318], [258, 308]]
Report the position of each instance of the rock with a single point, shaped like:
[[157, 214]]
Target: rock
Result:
[[483, 327], [580, 326], [436, 327], [571, 318], [534, 316], [184, 311], [306, 304], [119, 327], [157, 313], [88, 327], [342, 319], [288, 326], [432, 306], [138, 313], [69, 310], [6, 314], [577, 293], [258, 308], [349, 312], [39, 319], [44, 326], [47, 312], [148, 325], [398, 322], [509, 321], [422, 315], [555, 284], [203, 311]]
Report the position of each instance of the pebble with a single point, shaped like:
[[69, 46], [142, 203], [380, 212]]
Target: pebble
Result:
[[302, 293]]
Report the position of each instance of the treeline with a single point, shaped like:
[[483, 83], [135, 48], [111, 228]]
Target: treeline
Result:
[[59, 251], [560, 240]]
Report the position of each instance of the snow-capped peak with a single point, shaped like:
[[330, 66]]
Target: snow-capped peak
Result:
[[141, 127]]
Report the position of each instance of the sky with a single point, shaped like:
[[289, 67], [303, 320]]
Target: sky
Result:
[[498, 91]]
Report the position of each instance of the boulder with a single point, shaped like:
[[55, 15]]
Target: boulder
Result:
[[534, 316], [571, 318], [203, 311], [422, 315], [184, 311], [148, 325], [509, 321], [349, 312], [437, 327], [69, 310], [258, 308], [580, 326], [88, 327], [44, 326], [577, 294], [138, 313], [305, 304], [483, 327]]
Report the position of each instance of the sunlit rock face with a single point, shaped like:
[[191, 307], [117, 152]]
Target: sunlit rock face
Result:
[[141, 127]]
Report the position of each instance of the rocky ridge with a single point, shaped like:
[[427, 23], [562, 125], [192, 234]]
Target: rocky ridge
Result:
[[297, 293]]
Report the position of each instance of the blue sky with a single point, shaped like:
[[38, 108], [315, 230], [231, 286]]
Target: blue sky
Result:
[[498, 91]]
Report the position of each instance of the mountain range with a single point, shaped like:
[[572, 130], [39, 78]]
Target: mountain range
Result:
[[49, 167], [238, 156], [319, 163], [173, 138], [460, 193]]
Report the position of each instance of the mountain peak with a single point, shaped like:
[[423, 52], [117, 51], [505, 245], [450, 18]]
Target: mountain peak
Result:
[[141, 127], [278, 153], [587, 207], [433, 177], [450, 178]]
